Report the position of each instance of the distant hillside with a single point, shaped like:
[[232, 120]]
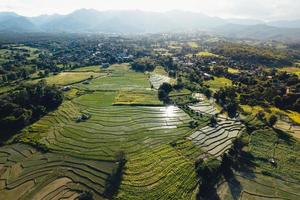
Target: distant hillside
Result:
[[11, 22], [136, 22], [260, 32]]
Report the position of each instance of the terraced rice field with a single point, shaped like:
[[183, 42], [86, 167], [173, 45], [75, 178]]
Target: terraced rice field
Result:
[[289, 128], [157, 80], [204, 107], [67, 78], [158, 143], [218, 139], [218, 83], [143, 133], [266, 181], [148, 97], [127, 80], [28, 174], [249, 187]]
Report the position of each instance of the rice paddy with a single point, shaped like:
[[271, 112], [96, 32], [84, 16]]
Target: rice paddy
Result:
[[126, 116], [217, 83], [67, 78], [148, 97]]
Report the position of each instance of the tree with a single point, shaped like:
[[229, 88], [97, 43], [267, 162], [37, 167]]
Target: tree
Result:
[[213, 120], [86, 196], [272, 121], [41, 74], [163, 92]]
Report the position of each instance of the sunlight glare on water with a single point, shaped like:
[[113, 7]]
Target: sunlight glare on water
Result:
[[170, 111]]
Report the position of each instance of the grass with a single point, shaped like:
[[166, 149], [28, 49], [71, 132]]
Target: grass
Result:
[[292, 70], [207, 54], [137, 98], [160, 70], [97, 99], [67, 78], [294, 116], [95, 68], [182, 92], [218, 83], [127, 80], [233, 71], [71, 93], [4, 89]]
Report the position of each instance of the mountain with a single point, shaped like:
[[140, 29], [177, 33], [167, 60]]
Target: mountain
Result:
[[11, 22], [136, 22], [89, 20], [286, 24], [259, 31]]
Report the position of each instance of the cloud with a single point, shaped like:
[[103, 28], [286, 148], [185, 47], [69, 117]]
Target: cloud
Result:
[[257, 9]]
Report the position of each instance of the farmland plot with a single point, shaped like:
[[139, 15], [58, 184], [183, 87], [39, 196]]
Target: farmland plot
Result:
[[143, 133], [28, 174], [218, 139], [157, 80], [204, 107]]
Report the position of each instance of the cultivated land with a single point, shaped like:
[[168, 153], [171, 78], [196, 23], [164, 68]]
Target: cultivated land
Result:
[[292, 70], [113, 116], [217, 83], [67, 78]]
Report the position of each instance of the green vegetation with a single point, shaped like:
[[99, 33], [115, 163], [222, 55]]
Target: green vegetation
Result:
[[95, 68], [26, 105], [207, 54], [292, 70], [193, 44], [233, 71], [137, 98], [217, 83], [141, 120], [119, 81], [67, 78], [97, 99]]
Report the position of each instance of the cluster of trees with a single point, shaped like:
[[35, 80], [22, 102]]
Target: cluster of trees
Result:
[[245, 55], [163, 92], [282, 91], [25, 105], [114, 180], [211, 171], [16, 64], [143, 64], [226, 97]]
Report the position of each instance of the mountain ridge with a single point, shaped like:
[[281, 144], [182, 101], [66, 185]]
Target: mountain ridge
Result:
[[137, 21]]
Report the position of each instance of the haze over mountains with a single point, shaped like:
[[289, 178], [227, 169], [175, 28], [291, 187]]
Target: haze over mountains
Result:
[[134, 21]]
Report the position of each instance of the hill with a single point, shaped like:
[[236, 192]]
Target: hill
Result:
[[135, 21]]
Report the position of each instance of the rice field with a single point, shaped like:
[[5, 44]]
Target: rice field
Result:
[[143, 133], [67, 78], [95, 68], [148, 97], [217, 83], [127, 80], [159, 145], [157, 80], [28, 174], [217, 139]]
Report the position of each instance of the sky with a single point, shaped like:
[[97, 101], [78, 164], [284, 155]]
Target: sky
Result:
[[254, 9]]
